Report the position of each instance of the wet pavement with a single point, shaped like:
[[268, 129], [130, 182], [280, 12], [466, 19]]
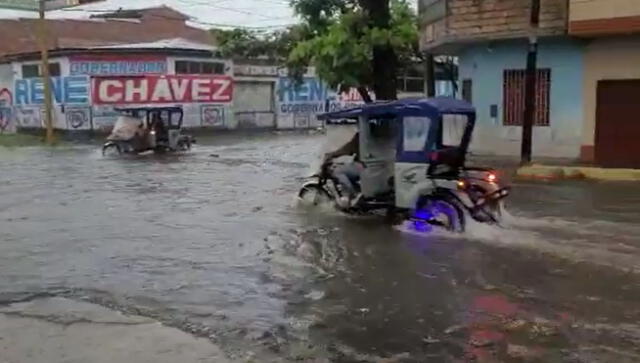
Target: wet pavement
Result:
[[212, 243]]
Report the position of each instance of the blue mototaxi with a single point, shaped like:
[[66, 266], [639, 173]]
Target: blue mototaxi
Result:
[[414, 152]]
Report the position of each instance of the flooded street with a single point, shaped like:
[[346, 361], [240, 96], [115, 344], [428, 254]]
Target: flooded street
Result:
[[212, 242]]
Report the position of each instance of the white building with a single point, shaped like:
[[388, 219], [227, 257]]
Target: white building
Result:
[[88, 85]]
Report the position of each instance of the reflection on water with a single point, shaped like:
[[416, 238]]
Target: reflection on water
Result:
[[212, 242]]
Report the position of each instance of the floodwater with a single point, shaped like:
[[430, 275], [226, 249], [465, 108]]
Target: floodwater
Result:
[[212, 242]]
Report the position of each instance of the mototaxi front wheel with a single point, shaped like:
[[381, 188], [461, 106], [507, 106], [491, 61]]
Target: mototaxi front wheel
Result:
[[111, 148], [184, 145], [314, 195], [444, 212]]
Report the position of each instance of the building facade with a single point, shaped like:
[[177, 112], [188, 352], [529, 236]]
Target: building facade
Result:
[[611, 82], [490, 39], [587, 81]]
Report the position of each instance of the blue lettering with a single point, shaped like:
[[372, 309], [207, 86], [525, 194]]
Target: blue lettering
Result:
[[76, 89], [317, 90], [22, 92], [74, 68], [284, 89], [302, 92], [122, 68], [73, 89], [84, 68], [37, 91], [104, 68], [56, 88], [94, 68], [113, 68]]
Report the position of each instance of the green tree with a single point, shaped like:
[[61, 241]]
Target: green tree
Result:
[[254, 44], [356, 43]]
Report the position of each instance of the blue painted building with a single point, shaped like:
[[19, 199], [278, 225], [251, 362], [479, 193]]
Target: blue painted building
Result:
[[490, 40], [486, 68]]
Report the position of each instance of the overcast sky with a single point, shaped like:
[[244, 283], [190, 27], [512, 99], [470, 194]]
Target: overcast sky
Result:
[[265, 14]]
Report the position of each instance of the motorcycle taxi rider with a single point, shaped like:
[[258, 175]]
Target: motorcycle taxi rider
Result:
[[349, 173]]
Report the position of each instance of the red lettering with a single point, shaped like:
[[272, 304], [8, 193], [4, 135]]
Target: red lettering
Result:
[[222, 90], [162, 89], [179, 87], [201, 90]]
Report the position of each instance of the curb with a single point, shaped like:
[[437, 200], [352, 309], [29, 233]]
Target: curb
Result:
[[548, 173]]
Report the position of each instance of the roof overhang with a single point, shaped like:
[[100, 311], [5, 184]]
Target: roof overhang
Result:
[[204, 51]]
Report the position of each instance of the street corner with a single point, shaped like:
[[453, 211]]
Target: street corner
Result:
[[59, 329], [554, 173]]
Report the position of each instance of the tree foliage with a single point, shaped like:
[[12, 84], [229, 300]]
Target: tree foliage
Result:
[[253, 44], [356, 43]]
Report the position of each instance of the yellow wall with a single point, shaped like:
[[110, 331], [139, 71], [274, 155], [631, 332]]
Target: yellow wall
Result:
[[602, 9], [607, 58]]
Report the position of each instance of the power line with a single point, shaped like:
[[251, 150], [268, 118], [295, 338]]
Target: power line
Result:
[[209, 4], [197, 21], [192, 19]]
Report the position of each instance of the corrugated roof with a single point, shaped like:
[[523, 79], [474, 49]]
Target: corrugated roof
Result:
[[157, 24], [173, 43]]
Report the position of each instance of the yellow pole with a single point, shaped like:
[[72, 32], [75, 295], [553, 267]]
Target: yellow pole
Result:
[[46, 79]]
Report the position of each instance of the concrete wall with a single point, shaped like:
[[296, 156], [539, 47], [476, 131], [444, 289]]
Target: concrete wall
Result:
[[605, 59], [485, 63], [254, 102]]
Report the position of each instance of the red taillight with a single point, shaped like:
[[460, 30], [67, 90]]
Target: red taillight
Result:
[[492, 178]]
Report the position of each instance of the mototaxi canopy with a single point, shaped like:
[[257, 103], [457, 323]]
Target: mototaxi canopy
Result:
[[432, 117], [430, 107]]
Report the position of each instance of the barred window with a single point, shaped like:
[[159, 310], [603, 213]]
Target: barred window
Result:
[[514, 97], [192, 67], [34, 70]]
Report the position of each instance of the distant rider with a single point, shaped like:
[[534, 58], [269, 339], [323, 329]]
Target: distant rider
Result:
[[348, 174]]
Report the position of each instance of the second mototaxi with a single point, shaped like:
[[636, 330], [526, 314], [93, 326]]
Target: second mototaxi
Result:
[[414, 155], [157, 129]]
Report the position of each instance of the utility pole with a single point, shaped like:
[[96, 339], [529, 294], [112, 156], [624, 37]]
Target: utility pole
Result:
[[46, 78], [429, 75], [530, 84]]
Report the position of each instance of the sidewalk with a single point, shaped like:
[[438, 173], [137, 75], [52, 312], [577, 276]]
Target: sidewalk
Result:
[[60, 330], [558, 172], [553, 169]]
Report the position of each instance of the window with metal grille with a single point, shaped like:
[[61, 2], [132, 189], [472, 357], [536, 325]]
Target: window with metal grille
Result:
[[467, 94], [34, 70], [513, 97], [190, 67]]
